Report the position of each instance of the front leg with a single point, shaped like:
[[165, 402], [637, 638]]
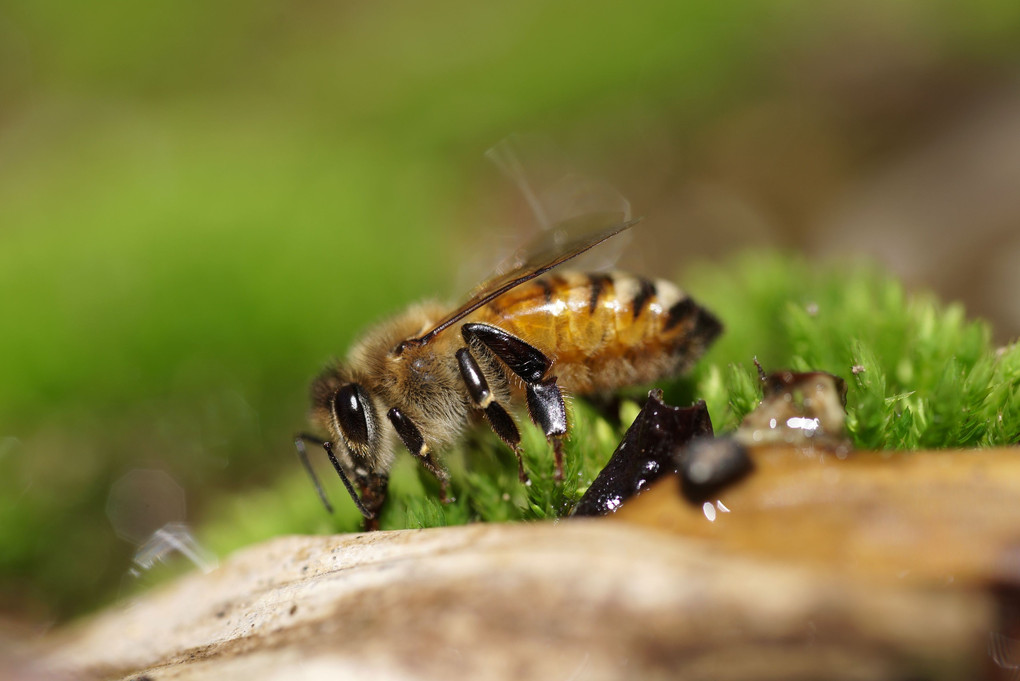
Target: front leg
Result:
[[412, 438], [369, 511], [545, 400], [373, 487]]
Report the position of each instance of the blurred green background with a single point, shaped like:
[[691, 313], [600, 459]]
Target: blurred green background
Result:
[[200, 203]]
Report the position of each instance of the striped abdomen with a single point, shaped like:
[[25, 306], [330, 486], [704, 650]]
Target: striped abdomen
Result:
[[605, 331]]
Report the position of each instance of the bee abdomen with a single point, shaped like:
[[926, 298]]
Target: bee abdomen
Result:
[[605, 331]]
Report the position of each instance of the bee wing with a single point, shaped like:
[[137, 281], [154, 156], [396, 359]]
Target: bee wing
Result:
[[564, 241], [556, 194]]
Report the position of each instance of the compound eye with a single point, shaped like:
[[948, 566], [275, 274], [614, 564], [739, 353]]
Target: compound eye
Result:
[[350, 407]]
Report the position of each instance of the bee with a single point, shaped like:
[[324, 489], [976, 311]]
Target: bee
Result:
[[526, 336]]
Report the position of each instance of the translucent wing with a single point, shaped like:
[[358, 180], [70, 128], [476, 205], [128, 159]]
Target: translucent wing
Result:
[[557, 194], [564, 241], [553, 194]]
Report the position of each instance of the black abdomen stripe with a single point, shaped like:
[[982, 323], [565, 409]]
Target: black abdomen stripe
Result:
[[679, 312], [703, 325], [597, 283], [646, 292]]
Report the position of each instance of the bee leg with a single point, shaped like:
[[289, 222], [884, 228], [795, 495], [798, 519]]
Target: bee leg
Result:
[[503, 425], [523, 359], [373, 494], [545, 401], [368, 510], [547, 410], [299, 443], [412, 438], [557, 445], [481, 396]]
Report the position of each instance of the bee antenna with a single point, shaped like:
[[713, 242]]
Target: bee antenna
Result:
[[299, 443], [328, 446]]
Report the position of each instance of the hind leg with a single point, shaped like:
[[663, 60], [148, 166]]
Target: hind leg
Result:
[[545, 400], [549, 412]]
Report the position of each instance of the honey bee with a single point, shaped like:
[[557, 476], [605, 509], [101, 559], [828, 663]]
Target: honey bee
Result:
[[525, 336]]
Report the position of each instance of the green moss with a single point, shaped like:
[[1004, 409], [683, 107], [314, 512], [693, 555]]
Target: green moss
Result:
[[919, 375]]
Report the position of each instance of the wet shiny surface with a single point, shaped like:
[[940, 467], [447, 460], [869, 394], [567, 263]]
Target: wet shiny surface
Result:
[[648, 451], [800, 409]]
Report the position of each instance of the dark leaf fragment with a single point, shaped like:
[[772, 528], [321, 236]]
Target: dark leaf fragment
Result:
[[647, 452]]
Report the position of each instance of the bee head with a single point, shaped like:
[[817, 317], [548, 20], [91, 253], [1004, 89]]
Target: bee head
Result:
[[354, 418]]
